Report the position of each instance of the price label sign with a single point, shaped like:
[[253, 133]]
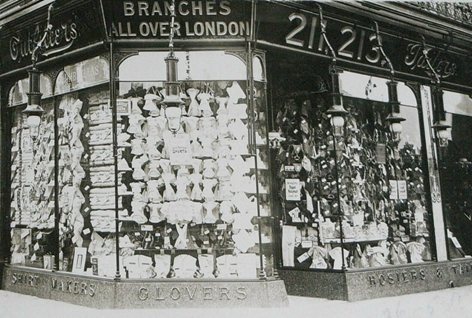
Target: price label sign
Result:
[[292, 189], [402, 190], [393, 189]]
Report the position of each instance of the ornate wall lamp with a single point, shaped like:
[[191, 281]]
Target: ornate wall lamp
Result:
[[440, 125], [172, 102], [394, 120], [336, 113], [33, 110], [336, 110]]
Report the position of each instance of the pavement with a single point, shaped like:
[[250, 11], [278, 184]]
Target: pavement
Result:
[[454, 302]]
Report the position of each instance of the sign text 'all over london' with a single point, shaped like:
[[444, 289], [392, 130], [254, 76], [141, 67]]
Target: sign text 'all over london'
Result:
[[195, 19]]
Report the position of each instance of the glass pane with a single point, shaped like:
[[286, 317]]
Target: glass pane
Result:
[[83, 74], [262, 171], [456, 177], [457, 103], [17, 94], [32, 186], [86, 184], [204, 65], [372, 88], [380, 212], [191, 195], [258, 69]]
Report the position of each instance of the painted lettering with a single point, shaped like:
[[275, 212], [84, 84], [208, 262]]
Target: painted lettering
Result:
[[241, 291], [184, 8], [414, 59], [143, 293], [175, 293], [382, 280], [207, 293], [159, 294], [224, 292], [57, 40], [128, 8], [143, 7], [371, 279], [190, 294]]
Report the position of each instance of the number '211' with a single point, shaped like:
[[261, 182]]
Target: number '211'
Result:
[[346, 49]]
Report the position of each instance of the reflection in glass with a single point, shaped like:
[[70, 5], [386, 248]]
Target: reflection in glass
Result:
[[456, 181]]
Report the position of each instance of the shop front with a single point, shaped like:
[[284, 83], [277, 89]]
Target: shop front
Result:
[[369, 169], [184, 155], [140, 176]]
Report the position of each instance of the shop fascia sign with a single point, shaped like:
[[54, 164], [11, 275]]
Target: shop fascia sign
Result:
[[60, 38], [352, 42], [195, 19]]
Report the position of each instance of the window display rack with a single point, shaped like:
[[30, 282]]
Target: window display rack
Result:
[[381, 189], [193, 202]]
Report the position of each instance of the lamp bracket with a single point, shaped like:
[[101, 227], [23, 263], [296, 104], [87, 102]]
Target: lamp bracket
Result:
[[39, 44], [380, 47], [323, 33], [425, 51], [172, 28]]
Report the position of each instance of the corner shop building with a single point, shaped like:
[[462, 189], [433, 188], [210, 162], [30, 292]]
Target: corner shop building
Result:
[[99, 203]]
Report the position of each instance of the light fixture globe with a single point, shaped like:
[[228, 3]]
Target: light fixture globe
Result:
[[442, 133], [337, 113], [394, 121], [173, 115], [337, 121], [33, 110]]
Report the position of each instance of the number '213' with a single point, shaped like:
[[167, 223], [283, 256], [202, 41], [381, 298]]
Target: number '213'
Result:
[[347, 49]]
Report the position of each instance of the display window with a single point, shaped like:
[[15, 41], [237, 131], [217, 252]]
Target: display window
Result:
[[32, 189], [187, 195], [195, 179], [456, 174], [56, 158], [352, 198]]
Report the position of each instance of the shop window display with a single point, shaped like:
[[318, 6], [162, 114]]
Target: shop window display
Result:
[[39, 233], [380, 217], [455, 173], [32, 190], [192, 182], [85, 163], [192, 197]]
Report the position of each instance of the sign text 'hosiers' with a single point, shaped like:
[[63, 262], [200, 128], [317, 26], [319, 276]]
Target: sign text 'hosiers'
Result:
[[194, 19]]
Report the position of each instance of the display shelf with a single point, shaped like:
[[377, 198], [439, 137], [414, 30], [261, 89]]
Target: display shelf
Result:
[[204, 250], [353, 240]]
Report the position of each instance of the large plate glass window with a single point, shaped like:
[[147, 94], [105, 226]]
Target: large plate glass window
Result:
[[190, 190], [354, 201], [456, 174]]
